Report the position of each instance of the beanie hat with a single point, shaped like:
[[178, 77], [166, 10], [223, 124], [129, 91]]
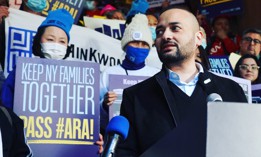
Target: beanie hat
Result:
[[108, 7], [137, 30], [60, 18]]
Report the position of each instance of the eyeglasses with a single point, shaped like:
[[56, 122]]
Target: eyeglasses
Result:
[[249, 40], [246, 67]]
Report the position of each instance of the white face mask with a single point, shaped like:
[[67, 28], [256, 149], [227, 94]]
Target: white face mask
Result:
[[36, 5], [53, 50]]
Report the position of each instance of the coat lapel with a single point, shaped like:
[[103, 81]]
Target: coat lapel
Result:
[[161, 78]]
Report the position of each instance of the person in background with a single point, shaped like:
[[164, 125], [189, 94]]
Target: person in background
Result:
[[33, 6], [107, 8], [173, 101], [222, 42], [115, 14], [51, 41], [141, 7], [153, 21], [251, 42], [110, 12], [248, 67], [136, 43]]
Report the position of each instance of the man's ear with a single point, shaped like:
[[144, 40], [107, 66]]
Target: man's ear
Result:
[[199, 38]]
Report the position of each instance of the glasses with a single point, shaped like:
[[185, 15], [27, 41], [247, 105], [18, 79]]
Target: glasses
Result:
[[246, 67], [249, 40]]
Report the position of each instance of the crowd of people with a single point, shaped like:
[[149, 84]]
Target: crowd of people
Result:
[[168, 98], [219, 38]]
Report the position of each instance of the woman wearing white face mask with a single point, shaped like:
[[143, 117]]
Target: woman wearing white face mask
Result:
[[52, 37], [51, 41]]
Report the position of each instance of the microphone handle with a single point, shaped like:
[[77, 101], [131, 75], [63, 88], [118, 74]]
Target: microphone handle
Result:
[[111, 145]]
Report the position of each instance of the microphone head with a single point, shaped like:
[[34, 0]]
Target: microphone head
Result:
[[118, 125], [214, 97]]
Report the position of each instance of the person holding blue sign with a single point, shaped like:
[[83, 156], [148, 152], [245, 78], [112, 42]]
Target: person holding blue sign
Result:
[[136, 42], [51, 41]]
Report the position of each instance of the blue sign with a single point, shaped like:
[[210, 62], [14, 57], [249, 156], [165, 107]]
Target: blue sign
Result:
[[57, 100], [213, 8], [221, 65], [75, 8]]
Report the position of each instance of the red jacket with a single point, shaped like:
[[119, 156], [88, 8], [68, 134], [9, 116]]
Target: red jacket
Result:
[[224, 47]]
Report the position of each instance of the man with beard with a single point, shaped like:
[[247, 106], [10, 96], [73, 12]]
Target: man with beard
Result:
[[174, 100]]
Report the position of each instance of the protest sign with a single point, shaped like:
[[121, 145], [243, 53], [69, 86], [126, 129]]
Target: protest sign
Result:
[[74, 7], [213, 8], [117, 83], [244, 83], [220, 64], [57, 100], [256, 93]]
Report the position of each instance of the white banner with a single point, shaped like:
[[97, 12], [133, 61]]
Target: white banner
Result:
[[111, 27], [86, 44]]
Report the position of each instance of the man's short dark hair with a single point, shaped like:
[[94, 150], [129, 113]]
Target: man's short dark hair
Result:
[[251, 30]]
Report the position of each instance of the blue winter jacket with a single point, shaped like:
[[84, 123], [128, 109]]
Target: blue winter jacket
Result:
[[7, 94]]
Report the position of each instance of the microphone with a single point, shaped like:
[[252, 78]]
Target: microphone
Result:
[[214, 97], [117, 129]]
